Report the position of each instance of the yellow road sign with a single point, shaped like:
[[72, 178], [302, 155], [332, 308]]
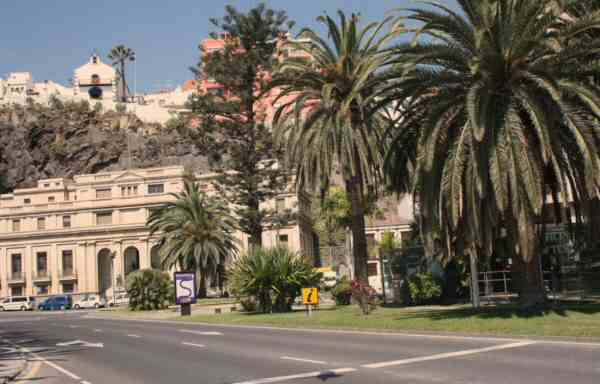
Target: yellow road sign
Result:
[[310, 296]]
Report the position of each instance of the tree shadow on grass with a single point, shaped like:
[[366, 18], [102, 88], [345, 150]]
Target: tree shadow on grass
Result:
[[499, 312]]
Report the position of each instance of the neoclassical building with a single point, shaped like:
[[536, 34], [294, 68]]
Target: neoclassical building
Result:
[[88, 233]]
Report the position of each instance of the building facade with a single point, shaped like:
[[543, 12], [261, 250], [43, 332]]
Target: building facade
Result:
[[86, 234]]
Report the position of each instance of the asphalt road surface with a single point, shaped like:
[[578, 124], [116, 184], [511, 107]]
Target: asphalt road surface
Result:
[[77, 347]]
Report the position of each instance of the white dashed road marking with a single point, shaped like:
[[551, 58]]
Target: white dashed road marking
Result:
[[134, 336], [97, 330], [322, 374], [194, 345], [201, 333], [302, 360], [447, 355]]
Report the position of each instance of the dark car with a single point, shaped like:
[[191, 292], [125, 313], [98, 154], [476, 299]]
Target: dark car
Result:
[[55, 303]]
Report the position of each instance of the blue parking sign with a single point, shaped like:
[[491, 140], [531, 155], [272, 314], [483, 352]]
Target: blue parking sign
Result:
[[185, 287]]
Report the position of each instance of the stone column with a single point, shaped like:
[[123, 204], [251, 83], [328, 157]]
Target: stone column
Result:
[[92, 267], [82, 267], [119, 264], [4, 272], [55, 269], [144, 253], [28, 270]]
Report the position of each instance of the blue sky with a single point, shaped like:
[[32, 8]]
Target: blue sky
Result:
[[52, 37]]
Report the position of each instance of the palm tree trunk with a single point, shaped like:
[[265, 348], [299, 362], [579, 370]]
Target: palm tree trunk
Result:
[[357, 225], [475, 299], [123, 97], [202, 285]]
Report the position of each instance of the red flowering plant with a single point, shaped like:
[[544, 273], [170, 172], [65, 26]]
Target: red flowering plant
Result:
[[364, 295]]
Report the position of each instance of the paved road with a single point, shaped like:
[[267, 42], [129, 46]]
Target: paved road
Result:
[[94, 351]]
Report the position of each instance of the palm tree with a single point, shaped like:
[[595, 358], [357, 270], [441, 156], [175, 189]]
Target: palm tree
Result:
[[119, 55], [196, 233], [326, 120], [506, 118]]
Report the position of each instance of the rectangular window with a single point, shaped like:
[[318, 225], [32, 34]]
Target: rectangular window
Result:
[[372, 269], [27, 201], [280, 204], [41, 223], [156, 188], [42, 264], [283, 240], [42, 290], [68, 287], [104, 218], [16, 225], [16, 291], [103, 193], [67, 262], [66, 221], [47, 185], [51, 199], [16, 266]]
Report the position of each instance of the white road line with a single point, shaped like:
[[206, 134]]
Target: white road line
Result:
[[323, 374], [447, 355], [303, 360], [97, 330], [49, 363], [134, 336], [201, 333], [73, 326], [194, 345], [85, 382]]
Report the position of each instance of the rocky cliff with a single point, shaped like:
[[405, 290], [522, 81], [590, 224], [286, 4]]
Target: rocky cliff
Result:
[[67, 139]]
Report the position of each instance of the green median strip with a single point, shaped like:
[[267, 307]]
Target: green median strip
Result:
[[565, 321]]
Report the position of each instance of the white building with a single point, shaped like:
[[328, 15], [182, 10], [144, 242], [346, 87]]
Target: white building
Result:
[[95, 80], [17, 87]]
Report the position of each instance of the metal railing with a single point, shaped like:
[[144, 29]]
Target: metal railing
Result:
[[572, 284]]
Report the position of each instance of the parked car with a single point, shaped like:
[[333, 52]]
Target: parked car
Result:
[[89, 301], [18, 303], [121, 298], [54, 303]]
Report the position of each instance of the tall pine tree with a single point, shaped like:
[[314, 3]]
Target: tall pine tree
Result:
[[231, 128]]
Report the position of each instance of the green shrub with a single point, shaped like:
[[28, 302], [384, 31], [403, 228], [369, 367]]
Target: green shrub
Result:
[[273, 277], [248, 304], [120, 108], [424, 288], [342, 292], [98, 107], [149, 289]]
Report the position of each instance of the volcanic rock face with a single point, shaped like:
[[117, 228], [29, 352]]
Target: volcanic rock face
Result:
[[67, 139]]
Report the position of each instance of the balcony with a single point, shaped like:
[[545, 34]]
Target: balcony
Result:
[[42, 277], [68, 275], [17, 277]]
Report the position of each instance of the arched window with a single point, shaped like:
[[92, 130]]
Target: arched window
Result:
[[95, 93], [95, 79]]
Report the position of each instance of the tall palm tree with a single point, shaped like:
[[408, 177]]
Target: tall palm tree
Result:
[[327, 122], [196, 233], [506, 118], [119, 55]]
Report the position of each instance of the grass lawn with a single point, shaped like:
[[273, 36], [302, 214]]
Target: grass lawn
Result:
[[571, 321]]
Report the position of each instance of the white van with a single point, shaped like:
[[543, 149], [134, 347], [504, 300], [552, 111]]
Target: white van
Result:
[[18, 303]]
